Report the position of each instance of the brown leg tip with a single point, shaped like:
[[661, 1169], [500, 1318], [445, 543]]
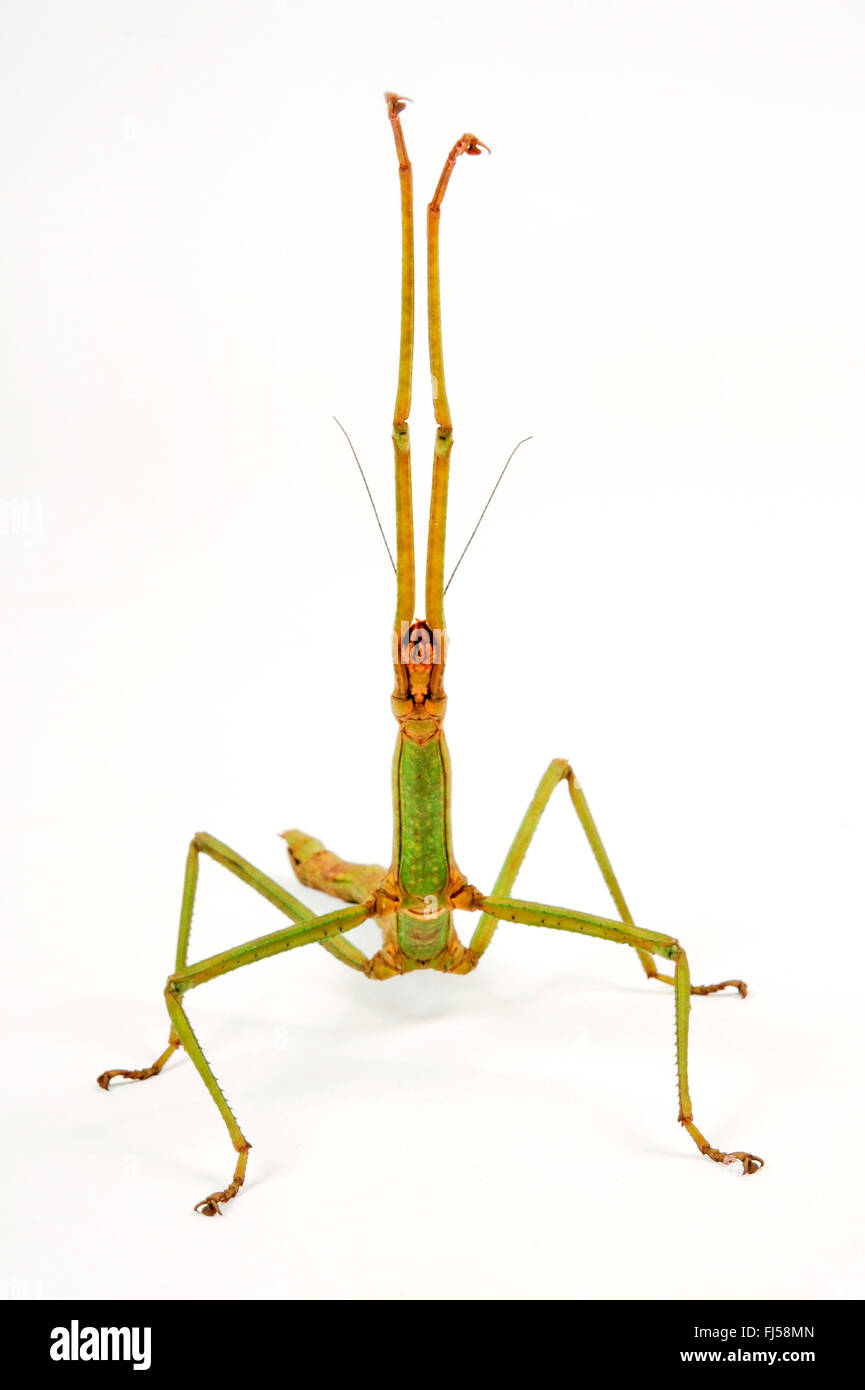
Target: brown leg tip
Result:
[[208, 1208], [104, 1080], [395, 104], [750, 1162]]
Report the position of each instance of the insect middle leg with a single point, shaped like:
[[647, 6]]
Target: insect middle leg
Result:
[[307, 928], [654, 944], [558, 771]]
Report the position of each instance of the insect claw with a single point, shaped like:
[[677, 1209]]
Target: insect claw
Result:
[[208, 1207], [395, 104], [750, 1162]]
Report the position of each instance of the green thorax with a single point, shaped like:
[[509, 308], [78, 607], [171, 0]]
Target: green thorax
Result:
[[422, 851], [422, 828]]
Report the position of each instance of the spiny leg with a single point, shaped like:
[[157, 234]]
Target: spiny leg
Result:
[[309, 928], [558, 771], [209, 1206], [190, 883], [190, 976], [682, 983], [236, 864], [280, 897], [504, 909]]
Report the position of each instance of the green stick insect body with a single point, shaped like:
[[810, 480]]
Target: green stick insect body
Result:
[[413, 901]]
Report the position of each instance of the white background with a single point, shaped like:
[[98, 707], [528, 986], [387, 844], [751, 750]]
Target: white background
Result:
[[657, 273]]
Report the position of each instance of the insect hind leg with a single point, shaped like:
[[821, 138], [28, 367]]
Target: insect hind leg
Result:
[[505, 909]]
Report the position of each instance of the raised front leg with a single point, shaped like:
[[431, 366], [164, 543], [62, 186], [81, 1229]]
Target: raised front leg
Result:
[[558, 771], [503, 909], [307, 929]]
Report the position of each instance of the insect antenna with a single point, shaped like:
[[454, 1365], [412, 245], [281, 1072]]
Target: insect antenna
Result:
[[369, 495], [484, 512]]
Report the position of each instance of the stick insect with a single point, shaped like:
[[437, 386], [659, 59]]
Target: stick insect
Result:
[[413, 901]]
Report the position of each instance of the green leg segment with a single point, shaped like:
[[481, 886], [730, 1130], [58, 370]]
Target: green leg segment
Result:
[[236, 864], [280, 897], [558, 771], [503, 909], [308, 928]]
